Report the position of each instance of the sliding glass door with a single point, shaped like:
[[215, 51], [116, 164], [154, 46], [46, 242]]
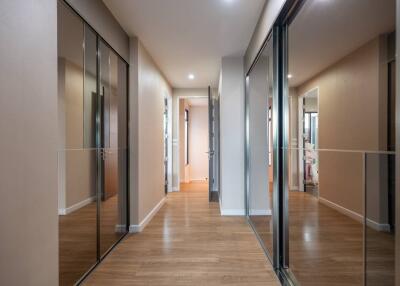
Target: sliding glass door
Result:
[[259, 158], [330, 217], [336, 144], [92, 156], [113, 137]]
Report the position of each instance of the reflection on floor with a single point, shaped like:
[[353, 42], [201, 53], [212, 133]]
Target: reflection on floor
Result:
[[77, 238], [188, 243], [380, 257], [312, 189], [263, 226], [111, 228], [326, 247]]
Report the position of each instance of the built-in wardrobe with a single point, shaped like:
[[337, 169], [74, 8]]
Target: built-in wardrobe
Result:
[[92, 153]]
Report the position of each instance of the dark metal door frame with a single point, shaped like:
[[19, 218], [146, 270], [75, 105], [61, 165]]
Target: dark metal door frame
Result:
[[210, 144]]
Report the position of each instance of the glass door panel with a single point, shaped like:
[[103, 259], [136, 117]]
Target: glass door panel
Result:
[[93, 149], [77, 171], [258, 155], [341, 233], [113, 88]]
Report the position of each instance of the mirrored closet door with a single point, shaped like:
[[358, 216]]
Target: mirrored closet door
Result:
[[92, 154]]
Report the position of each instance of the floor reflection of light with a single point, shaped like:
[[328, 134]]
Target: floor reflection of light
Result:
[[307, 236], [166, 234]]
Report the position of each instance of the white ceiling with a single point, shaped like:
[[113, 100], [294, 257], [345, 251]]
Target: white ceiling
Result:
[[325, 31], [189, 36]]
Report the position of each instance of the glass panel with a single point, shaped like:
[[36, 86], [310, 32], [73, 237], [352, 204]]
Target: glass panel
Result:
[[90, 99], [380, 231], [77, 213], [341, 128], [76, 166], [326, 227], [113, 213], [259, 143]]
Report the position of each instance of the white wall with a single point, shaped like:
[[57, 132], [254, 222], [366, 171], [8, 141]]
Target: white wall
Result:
[[198, 143], [28, 144], [148, 87], [232, 136]]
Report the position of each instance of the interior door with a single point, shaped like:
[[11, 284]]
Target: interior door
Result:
[[210, 144]]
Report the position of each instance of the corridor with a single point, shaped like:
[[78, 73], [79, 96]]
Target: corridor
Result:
[[188, 242]]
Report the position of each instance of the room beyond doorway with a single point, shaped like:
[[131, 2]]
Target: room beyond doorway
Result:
[[196, 139], [193, 140]]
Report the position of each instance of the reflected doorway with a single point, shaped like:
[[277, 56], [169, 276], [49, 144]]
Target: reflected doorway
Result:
[[308, 142]]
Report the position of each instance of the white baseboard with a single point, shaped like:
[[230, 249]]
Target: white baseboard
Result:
[[356, 216], [233, 212], [75, 207], [120, 228], [194, 181], [385, 227], [175, 189], [260, 212], [134, 228]]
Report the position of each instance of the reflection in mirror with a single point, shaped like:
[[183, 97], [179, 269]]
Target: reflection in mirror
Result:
[[113, 216], [259, 147], [77, 166], [341, 133]]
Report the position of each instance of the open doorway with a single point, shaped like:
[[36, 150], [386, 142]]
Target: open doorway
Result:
[[308, 141], [193, 143]]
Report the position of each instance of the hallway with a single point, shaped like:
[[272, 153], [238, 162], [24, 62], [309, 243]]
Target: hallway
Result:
[[188, 243]]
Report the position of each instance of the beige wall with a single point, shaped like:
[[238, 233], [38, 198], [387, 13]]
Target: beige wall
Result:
[[148, 87], [352, 116], [198, 143], [28, 145]]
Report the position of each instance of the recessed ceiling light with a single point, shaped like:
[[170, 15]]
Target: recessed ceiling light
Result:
[[191, 76], [289, 76]]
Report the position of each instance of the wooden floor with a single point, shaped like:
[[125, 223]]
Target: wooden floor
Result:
[[188, 243]]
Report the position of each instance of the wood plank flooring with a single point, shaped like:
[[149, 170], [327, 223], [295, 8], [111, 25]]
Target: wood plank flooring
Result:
[[188, 243]]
